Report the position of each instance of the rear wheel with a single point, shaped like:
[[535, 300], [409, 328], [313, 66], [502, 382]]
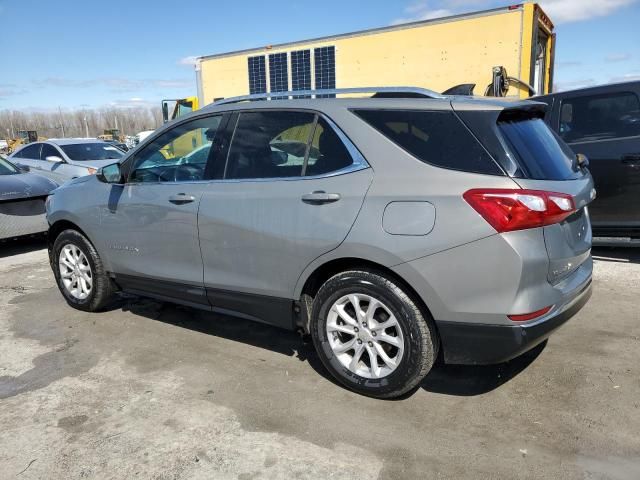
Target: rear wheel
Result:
[[371, 335], [79, 272]]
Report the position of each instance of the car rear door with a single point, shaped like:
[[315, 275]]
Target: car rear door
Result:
[[53, 170], [605, 126], [290, 190], [29, 156]]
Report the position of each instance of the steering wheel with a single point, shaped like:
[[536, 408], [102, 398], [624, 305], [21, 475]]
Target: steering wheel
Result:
[[187, 172]]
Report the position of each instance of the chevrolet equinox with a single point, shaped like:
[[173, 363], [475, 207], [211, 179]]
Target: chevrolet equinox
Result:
[[394, 228]]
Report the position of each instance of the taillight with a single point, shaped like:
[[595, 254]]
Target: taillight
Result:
[[530, 316], [516, 209]]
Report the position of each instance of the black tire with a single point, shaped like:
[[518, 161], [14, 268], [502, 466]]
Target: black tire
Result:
[[420, 338], [103, 289]]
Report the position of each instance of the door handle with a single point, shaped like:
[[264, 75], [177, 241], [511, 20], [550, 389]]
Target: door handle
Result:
[[320, 197], [181, 198], [633, 160]]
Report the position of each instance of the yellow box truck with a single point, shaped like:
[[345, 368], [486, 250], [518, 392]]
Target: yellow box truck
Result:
[[505, 51]]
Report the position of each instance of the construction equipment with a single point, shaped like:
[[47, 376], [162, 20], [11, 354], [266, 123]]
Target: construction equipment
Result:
[[109, 134], [24, 137], [174, 108]]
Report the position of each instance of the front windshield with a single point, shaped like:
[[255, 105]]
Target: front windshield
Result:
[[92, 151], [6, 168]]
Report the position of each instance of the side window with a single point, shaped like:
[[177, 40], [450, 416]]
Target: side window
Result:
[[269, 144], [180, 154], [327, 153], [599, 117], [434, 137], [49, 151], [31, 152]]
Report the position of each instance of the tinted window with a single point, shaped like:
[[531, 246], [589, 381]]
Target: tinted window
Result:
[[269, 144], [434, 137], [540, 153], [327, 152], [30, 151], [180, 154], [598, 117], [49, 151], [92, 151]]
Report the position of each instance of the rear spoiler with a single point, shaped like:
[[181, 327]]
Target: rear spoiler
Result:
[[522, 111]]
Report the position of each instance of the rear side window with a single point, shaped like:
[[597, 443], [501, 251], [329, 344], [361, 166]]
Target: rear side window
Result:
[[541, 154], [600, 117], [282, 144], [30, 151], [269, 144], [327, 153], [434, 137]]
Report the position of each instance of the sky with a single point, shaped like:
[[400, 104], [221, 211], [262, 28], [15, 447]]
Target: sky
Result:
[[83, 53]]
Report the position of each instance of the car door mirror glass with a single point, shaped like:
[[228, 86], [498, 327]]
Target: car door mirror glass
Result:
[[110, 174], [54, 159]]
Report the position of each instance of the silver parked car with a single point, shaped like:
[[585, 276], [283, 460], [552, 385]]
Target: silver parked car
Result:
[[22, 199], [67, 158], [393, 229]]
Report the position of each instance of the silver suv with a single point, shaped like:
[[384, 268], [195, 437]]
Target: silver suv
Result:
[[394, 228], [63, 159]]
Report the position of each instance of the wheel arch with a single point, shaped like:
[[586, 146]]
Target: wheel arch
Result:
[[326, 270], [60, 226]]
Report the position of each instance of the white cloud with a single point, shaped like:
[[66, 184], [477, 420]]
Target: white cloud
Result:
[[617, 57], [188, 61], [560, 11], [565, 11], [421, 10], [568, 64], [628, 77]]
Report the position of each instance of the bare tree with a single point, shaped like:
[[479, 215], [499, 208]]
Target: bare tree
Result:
[[76, 122]]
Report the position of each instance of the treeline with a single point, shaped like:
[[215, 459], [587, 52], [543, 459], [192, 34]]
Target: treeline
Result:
[[76, 123]]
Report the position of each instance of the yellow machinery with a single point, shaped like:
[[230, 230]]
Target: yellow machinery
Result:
[[24, 137], [507, 51], [111, 134], [172, 109]]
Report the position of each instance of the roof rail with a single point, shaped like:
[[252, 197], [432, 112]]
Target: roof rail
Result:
[[395, 92]]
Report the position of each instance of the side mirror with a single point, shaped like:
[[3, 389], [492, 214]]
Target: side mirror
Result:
[[24, 168], [54, 159], [110, 174]]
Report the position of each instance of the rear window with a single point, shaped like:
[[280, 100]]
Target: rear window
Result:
[[541, 154], [434, 137]]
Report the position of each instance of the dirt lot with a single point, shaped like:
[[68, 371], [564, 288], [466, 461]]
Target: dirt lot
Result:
[[157, 391]]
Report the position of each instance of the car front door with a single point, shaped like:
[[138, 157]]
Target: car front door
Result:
[[150, 223], [606, 128], [53, 169], [289, 192]]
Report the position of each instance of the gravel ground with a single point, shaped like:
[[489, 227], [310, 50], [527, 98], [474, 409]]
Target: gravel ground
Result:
[[152, 390]]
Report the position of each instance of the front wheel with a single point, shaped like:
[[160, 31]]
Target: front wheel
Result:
[[79, 272], [371, 334]]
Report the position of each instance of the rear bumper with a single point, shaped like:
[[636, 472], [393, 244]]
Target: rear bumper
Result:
[[482, 344]]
